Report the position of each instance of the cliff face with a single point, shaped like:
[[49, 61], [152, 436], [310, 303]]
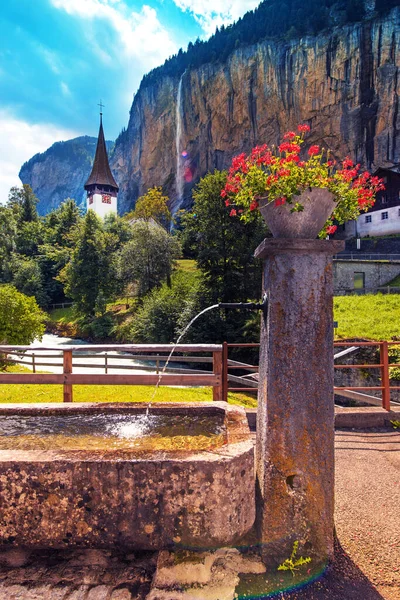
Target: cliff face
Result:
[[344, 83], [61, 172]]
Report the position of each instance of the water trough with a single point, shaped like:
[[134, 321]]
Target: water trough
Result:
[[169, 491]]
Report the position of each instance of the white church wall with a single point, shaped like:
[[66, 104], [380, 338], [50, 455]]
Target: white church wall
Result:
[[102, 204]]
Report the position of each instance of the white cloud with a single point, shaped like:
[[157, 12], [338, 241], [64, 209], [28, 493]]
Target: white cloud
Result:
[[140, 34], [65, 89], [214, 13], [19, 141]]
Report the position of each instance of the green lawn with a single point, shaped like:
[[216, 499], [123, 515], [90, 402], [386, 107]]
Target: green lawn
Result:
[[26, 393], [63, 315], [186, 264], [373, 316]]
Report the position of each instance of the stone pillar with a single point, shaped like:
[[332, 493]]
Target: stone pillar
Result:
[[295, 419]]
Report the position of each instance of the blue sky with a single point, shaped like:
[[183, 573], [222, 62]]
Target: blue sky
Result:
[[59, 57]]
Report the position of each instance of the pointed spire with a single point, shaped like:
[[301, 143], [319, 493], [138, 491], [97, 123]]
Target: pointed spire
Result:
[[101, 173]]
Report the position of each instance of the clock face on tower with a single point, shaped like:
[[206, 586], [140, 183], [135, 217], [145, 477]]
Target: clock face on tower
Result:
[[106, 198]]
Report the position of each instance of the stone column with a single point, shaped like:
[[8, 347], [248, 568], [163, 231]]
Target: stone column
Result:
[[295, 419]]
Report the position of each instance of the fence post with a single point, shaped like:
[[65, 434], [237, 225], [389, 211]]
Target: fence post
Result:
[[225, 371], [33, 363], [67, 362], [157, 365], [105, 363], [384, 360], [217, 369]]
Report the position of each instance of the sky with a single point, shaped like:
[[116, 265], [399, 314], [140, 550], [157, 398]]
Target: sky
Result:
[[58, 58]]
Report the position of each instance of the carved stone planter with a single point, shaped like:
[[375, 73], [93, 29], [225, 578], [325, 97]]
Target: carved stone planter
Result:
[[318, 206]]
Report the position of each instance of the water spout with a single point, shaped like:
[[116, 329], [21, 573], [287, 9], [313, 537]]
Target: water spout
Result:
[[237, 305], [173, 349]]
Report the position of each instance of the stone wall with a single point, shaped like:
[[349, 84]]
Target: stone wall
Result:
[[377, 273]]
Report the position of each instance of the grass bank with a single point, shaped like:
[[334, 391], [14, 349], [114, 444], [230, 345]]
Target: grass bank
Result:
[[373, 316], [26, 393]]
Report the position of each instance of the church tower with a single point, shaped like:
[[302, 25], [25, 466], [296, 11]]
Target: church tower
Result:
[[101, 186]]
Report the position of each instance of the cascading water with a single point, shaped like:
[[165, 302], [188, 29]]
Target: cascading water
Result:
[[179, 162], [173, 349], [238, 305]]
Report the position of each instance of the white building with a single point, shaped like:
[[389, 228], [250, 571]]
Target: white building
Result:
[[384, 217], [101, 186]]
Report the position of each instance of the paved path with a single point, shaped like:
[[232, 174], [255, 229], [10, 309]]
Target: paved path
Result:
[[367, 564], [54, 365]]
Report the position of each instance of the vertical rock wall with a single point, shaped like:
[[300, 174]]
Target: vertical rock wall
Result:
[[344, 83]]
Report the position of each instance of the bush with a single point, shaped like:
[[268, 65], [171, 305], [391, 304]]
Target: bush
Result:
[[157, 320], [21, 320]]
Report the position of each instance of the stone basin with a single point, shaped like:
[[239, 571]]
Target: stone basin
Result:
[[139, 498]]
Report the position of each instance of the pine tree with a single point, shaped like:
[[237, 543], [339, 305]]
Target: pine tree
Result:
[[89, 274]]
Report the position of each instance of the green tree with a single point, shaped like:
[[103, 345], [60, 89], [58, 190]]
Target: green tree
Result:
[[91, 272], [23, 202], [21, 320], [119, 228], [59, 227], [27, 278], [355, 10], [149, 257], [153, 205], [385, 5], [157, 320], [224, 245], [8, 236]]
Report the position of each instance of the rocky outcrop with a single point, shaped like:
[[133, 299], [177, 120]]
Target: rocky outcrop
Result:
[[61, 172], [344, 83]]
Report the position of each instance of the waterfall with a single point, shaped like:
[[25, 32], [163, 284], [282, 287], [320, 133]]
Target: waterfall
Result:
[[179, 161]]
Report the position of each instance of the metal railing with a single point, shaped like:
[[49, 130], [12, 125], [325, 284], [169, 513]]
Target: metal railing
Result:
[[155, 353], [385, 289], [364, 256], [353, 392]]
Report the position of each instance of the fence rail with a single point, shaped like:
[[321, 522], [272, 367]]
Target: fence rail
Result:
[[353, 392], [244, 378], [385, 289], [364, 256], [151, 352]]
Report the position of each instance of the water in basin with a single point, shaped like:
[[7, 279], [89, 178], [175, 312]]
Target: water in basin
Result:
[[135, 432]]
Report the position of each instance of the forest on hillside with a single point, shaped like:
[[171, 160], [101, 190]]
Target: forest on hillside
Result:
[[273, 19]]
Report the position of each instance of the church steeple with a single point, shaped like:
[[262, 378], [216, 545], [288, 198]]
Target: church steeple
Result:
[[101, 186]]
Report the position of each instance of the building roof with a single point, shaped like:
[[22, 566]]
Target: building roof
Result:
[[394, 169], [101, 172]]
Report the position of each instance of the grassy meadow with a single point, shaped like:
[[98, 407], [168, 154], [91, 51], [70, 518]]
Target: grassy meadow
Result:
[[26, 393], [373, 316]]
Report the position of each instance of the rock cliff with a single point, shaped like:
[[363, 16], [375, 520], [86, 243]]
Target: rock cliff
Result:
[[344, 83], [61, 172]]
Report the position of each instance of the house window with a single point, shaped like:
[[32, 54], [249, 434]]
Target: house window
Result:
[[368, 218], [384, 199], [384, 215], [359, 280]]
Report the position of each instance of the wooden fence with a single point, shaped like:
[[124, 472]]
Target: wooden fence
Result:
[[147, 352], [245, 378]]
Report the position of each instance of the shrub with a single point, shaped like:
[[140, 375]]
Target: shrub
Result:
[[21, 320]]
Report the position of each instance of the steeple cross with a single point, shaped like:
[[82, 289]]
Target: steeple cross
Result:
[[101, 107]]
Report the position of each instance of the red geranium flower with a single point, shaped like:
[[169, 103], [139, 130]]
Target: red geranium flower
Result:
[[313, 150]]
